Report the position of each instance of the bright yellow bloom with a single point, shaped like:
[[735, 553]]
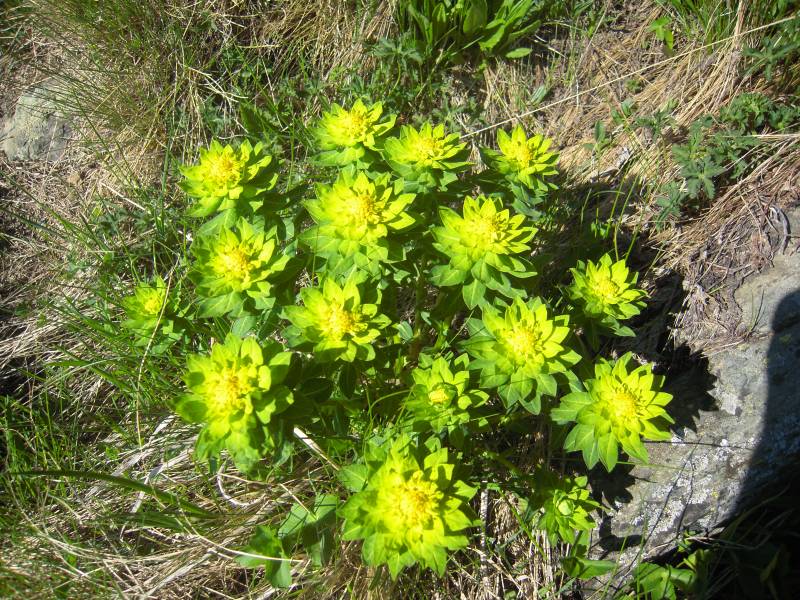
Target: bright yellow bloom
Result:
[[621, 405]]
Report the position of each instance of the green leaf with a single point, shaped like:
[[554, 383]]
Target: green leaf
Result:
[[354, 477], [519, 53], [607, 446], [584, 568], [473, 293], [476, 17], [125, 483]]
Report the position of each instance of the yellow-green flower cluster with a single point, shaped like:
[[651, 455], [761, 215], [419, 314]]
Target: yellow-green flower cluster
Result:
[[621, 406], [234, 265], [412, 509], [605, 292], [486, 231], [483, 248], [152, 316], [440, 398], [565, 507], [228, 177], [523, 160], [235, 392], [428, 156], [335, 322], [355, 215], [519, 351], [345, 135]]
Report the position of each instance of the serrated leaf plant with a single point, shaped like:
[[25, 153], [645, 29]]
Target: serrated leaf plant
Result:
[[355, 218], [621, 406], [334, 322], [235, 391], [345, 136], [233, 269], [605, 293], [485, 244], [412, 508], [228, 177], [520, 349]]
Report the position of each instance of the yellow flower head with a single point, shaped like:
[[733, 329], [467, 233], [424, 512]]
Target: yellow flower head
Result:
[[226, 177], [621, 406], [412, 510], [416, 154], [485, 229], [334, 319], [233, 391], [520, 349], [359, 209], [234, 267], [359, 126], [605, 290], [523, 160]]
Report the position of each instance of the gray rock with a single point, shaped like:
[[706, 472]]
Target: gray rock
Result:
[[38, 128], [735, 431]]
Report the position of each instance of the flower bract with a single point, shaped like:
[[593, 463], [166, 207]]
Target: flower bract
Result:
[[412, 508], [519, 350], [344, 134], [228, 177], [605, 292], [619, 407], [335, 321], [355, 216], [233, 266], [428, 156], [523, 160], [235, 392]]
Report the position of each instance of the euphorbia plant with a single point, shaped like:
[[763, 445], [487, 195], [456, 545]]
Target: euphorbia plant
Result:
[[619, 407], [236, 393], [409, 507], [520, 351], [484, 247], [386, 317]]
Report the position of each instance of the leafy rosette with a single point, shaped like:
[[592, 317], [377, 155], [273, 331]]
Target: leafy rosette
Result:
[[228, 177], [621, 406], [233, 268], [236, 393], [334, 321], [409, 507], [152, 316], [523, 160], [354, 218], [519, 351], [483, 247], [606, 294], [345, 136], [428, 157], [563, 507], [440, 399]]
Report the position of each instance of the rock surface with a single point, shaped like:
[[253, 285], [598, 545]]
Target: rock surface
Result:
[[38, 129], [737, 427]]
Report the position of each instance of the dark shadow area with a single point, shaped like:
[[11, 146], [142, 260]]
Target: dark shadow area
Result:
[[756, 554], [780, 435]]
